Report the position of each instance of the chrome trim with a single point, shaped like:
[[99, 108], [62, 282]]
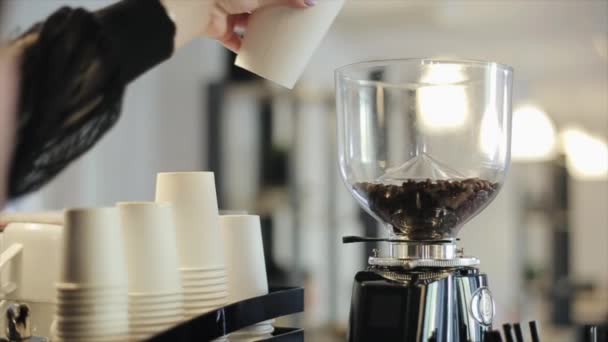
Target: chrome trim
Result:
[[409, 264], [413, 250]]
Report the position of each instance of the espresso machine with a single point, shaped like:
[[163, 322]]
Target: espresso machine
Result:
[[424, 146]]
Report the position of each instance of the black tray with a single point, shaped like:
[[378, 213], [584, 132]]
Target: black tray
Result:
[[281, 301], [286, 335]]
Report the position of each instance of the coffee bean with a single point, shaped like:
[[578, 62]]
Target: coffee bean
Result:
[[427, 210]]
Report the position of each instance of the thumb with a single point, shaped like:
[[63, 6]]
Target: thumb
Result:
[[289, 3]]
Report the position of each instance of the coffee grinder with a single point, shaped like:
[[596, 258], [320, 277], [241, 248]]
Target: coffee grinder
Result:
[[424, 146]]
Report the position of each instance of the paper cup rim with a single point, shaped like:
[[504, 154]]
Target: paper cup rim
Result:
[[87, 209], [143, 204], [175, 173], [238, 216]]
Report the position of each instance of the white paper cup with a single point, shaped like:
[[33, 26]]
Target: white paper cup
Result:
[[194, 201], [68, 310], [244, 256], [203, 269], [55, 338], [204, 282], [207, 297], [156, 306], [41, 245], [89, 288], [136, 301], [186, 284], [147, 313], [66, 306], [101, 318], [90, 338], [151, 248], [84, 337], [114, 299], [91, 330], [69, 290], [280, 41], [144, 295], [204, 301], [73, 332], [93, 250], [115, 332], [208, 289], [81, 334], [108, 296], [204, 294], [203, 274], [211, 303]]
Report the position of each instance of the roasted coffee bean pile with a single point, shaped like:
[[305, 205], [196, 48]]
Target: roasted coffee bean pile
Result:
[[427, 210]]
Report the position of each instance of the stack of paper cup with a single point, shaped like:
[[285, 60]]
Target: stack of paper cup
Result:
[[246, 268], [199, 240], [92, 292], [155, 290]]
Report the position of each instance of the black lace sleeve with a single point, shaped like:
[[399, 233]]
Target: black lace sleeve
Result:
[[73, 77]]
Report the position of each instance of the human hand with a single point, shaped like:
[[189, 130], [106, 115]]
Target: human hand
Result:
[[228, 17], [222, 20]]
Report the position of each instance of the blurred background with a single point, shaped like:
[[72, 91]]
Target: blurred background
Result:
[[543, 241]]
